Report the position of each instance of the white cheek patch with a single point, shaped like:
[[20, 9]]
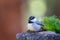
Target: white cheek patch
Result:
[[34, 20]]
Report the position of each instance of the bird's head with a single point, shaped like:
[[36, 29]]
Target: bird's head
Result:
[[32, 19]]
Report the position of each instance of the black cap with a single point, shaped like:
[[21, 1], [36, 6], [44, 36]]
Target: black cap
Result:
[[31, 18]]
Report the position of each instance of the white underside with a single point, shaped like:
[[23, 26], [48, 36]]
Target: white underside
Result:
[[29, 27], [33, 27]]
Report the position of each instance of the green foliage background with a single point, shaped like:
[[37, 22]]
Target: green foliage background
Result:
[[52, 23]]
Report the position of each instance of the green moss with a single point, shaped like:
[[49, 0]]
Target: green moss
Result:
[[52, 23]]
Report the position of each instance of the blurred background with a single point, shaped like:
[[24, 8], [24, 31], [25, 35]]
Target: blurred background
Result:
[[14, 14]]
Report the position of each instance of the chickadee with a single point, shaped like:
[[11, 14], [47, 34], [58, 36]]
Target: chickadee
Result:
[[34, 24]]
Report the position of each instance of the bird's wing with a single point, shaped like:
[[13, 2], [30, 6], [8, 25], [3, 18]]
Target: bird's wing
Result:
[[39, 23]]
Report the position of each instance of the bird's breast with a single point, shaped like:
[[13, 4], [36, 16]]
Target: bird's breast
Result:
[[30, 27], [33, 27]]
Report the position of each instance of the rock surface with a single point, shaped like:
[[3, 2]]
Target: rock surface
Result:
[[47, 35]]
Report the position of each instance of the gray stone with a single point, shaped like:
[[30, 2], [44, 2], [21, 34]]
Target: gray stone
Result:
[[46, 35]]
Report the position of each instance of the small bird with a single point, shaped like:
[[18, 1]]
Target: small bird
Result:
[[34, 24]]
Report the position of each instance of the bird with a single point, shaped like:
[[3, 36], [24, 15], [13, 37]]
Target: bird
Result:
[[34, 25]]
